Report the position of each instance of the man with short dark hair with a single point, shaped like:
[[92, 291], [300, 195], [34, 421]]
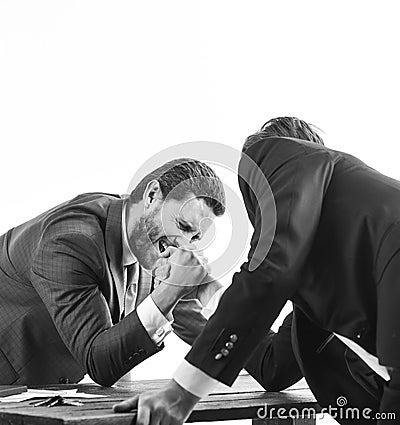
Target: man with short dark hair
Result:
[[285, 127], [334, 254], [76, 296]]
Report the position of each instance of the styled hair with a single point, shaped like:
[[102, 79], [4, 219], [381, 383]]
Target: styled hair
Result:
[[183, 177], [285, 127]]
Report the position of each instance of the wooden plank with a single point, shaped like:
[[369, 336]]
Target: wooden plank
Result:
[[240, 402]]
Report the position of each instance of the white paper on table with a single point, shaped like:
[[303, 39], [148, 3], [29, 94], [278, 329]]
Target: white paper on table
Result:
[[16, 398]]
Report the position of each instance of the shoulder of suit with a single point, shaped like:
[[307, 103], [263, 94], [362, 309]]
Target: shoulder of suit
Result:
[[284, 148], [85, 216]]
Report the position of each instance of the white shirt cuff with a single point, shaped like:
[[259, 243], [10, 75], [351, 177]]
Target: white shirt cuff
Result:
[[155, 323], [195, 380]]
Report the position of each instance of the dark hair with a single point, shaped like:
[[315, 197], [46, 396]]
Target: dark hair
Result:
[[186, 176], [285, 127]]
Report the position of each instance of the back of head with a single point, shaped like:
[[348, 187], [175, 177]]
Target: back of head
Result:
[[285, 127], [185, 177]]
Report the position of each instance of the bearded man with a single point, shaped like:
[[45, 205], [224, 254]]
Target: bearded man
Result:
[[76, 296]]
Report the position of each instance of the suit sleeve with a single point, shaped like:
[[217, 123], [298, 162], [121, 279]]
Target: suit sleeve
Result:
[[66, 274], [188, 320], [298, 177], [273, 363]]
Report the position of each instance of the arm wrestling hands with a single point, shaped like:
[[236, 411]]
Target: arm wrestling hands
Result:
[[181, 272], [185, 272]]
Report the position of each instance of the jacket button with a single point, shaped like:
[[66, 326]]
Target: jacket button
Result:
[[133, 356], [360, 333], [233, 338], [229, 345], [160, 332], [63, 380], [224, 352], [218, 356], [142, 351]]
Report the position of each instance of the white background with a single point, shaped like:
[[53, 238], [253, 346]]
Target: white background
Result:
[[90, 89]]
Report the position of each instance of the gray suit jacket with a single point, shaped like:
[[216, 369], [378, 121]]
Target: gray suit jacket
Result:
[[61, 297]]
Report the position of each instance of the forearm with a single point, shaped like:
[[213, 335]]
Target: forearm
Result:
[[190, 315], [117, 350], [188, 320], [166, 297]]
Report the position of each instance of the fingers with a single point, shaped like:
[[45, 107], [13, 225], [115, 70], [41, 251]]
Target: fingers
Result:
[[161, 262], [186, 267], [155, 418], [168, 406], [127, 405], [162, 273], [179, 253], [143, 414]]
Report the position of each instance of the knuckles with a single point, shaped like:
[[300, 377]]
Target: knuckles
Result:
[[167, 409], [184, 257]]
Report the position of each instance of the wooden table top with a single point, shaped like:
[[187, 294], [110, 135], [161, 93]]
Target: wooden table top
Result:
[[239, 402]]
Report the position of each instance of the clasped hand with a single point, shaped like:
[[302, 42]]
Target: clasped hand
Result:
[[182, 267]]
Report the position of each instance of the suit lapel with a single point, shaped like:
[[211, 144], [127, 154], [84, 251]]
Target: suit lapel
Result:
[[113, 238]]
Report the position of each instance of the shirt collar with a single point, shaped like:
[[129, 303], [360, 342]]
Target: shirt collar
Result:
[[128, 256]]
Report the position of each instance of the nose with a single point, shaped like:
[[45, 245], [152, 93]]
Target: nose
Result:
[[196, 236]]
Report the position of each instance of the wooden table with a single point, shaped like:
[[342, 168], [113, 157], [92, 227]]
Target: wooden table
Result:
[[245, 400]]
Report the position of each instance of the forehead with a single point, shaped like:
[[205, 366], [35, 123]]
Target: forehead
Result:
[[189, 209]]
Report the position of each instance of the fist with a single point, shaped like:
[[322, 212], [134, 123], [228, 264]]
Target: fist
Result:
[[161, 271], [184, 267]]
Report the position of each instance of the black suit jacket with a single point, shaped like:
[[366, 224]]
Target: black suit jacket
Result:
[[334, 254], [61, 293], [332, 370]]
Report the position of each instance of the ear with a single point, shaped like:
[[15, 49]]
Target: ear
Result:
[[152, 193]]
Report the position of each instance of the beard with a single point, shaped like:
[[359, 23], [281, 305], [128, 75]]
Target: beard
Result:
[[145, 235]]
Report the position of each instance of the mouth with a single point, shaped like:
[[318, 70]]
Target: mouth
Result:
[[163, 244]]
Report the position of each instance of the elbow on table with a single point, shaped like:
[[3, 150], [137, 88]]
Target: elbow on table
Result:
[[103, 378], [101, 373]]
